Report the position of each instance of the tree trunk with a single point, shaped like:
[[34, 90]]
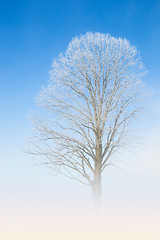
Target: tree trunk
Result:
[[96, 188]]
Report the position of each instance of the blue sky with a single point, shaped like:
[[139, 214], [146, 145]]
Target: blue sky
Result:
[[32, 33]]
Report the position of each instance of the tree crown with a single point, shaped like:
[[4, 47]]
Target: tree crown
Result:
[[94, 92]]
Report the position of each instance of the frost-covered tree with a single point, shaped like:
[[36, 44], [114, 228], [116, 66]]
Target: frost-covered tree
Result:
[[93, 94]]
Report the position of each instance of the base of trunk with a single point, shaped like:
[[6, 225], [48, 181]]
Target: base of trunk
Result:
[[96, 194]]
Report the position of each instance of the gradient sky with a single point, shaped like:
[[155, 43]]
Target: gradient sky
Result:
[[32, 33]]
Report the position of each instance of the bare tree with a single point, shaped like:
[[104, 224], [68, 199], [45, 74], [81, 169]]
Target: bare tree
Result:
[[93, 94]]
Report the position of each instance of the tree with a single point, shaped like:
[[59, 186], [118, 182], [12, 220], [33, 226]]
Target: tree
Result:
[[93, 94]]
